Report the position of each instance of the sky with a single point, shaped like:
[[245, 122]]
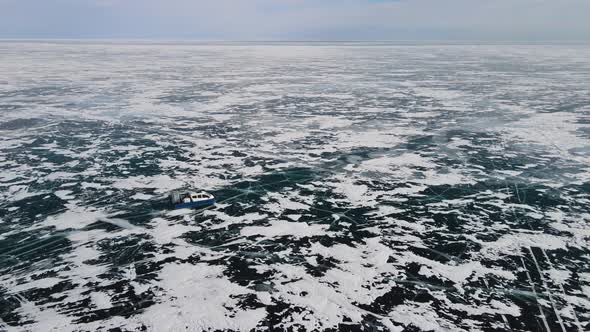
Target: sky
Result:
[[485, 20]]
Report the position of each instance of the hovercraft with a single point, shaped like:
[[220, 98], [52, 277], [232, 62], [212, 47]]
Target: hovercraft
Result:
[[183, 200]]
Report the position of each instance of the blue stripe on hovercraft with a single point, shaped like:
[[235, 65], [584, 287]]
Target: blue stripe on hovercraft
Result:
[[195, 204]]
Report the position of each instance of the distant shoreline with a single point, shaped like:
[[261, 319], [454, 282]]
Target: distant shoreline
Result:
[[196, 42]]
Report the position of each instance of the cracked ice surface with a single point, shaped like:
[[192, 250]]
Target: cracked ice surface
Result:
[[383, 187]]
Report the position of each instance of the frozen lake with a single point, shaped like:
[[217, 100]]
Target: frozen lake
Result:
[[359, 187]]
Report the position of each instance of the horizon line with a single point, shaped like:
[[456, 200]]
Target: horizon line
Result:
[[196, 40]]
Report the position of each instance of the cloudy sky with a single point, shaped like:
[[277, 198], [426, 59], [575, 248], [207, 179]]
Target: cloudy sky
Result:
[[509, 20]]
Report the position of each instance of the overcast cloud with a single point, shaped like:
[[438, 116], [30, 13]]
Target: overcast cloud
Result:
[[298, 19]]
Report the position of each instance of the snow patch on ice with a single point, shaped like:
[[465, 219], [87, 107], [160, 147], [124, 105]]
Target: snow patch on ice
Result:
[[278, 228], [199, 297], [161, 183]]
